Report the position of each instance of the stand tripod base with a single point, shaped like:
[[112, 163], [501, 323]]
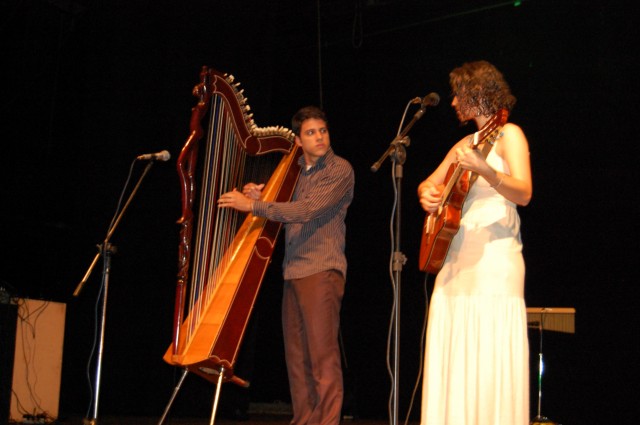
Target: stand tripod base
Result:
[[541, 420]]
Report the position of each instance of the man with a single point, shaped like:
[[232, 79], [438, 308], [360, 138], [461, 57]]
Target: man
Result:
[[314, 267]]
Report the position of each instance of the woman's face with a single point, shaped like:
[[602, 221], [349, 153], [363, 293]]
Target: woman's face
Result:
[[462, 115]]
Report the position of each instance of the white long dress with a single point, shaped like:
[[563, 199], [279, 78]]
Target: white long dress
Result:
[[477, 355]]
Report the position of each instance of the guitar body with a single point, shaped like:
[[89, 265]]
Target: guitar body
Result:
[[441, 226]]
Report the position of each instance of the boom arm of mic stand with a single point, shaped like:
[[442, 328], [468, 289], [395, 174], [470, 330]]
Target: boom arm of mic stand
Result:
[[400, 138], [111, 230]]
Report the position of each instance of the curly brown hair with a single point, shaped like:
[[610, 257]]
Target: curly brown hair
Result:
[[480, 85]]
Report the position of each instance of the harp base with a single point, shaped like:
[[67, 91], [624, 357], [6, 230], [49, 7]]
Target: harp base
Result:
[[220, 374], [173, 396]]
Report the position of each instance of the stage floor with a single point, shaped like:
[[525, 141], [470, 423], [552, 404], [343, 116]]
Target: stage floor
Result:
[[252, 420]]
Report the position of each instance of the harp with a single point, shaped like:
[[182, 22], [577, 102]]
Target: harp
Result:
[[223, 254]]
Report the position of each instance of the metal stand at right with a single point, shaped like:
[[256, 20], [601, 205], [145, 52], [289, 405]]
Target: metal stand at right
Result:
[[559, 319]]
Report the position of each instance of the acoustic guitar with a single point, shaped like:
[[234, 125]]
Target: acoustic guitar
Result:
[[441, 226]]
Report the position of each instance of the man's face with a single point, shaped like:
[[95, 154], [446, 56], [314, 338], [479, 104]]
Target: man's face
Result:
[[314, 139]]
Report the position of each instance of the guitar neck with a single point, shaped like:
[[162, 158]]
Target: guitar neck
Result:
[[453, 180], [487, 134]]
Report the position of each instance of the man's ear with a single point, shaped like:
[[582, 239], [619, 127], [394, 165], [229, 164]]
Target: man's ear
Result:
[[298, 141]]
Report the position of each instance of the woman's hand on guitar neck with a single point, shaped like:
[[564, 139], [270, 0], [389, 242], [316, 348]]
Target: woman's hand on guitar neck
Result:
[[472, 159]]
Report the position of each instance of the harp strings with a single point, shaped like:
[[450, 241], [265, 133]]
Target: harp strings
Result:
[[225, 166]]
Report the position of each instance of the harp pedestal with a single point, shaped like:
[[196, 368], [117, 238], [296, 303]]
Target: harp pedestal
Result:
[[216, 396], [557, 319]]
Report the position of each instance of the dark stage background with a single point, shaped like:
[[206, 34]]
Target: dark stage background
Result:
[[89, 85]]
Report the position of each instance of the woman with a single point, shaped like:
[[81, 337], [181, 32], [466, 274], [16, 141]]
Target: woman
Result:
[[477, 358]]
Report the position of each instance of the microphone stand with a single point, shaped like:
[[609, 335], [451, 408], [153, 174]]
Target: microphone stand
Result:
[[105, 251], [398, 153]]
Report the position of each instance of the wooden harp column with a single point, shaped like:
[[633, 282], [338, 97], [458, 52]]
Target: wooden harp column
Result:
[[222, 258]]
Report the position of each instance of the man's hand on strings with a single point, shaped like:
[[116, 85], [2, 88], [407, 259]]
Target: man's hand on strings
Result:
[[236, 200], [252, 190]]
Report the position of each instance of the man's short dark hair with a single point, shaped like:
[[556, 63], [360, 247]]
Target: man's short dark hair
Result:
[[304, 114]]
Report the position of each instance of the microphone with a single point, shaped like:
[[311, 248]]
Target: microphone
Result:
[[432, 99], [160, 156]]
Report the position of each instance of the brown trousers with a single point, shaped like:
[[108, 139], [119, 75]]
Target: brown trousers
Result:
[[311, 322]]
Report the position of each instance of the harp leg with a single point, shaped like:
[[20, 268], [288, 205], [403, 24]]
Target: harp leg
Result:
[[216, 397], [173, 396]]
